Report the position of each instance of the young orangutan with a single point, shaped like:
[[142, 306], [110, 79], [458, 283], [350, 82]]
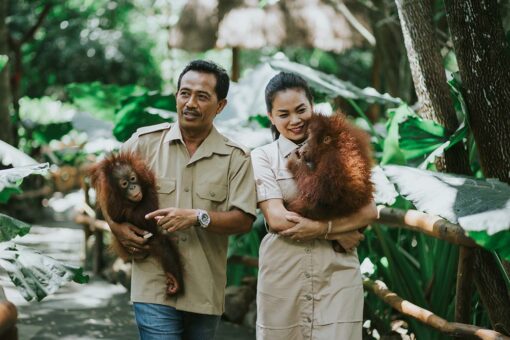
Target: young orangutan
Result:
[[331, 170], [126, 192]]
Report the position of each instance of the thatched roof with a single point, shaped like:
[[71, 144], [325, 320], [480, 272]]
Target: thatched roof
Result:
[[206, 24]]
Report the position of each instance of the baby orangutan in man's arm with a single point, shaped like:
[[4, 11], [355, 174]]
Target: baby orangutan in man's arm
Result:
[[126, 192]]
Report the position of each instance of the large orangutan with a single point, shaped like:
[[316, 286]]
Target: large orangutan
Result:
[[331, 170], [126, 192]]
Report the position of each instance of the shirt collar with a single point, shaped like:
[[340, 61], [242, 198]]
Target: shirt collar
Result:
[[214, 143], [174, 134], [286, 146]]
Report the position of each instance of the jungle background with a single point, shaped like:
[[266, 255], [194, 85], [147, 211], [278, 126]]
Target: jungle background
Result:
[[428, 79]]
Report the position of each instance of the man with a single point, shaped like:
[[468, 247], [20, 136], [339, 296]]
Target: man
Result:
[[206, 192]]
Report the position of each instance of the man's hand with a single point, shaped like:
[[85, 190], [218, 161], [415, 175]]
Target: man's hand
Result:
[[349, 240], [130, 237], [305, 229], [173, 219]]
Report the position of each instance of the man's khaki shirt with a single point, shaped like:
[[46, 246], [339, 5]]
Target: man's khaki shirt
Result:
[[218, 177]]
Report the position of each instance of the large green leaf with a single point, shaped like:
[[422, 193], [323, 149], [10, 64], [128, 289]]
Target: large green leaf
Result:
[[11, 227], [413, 140], [11, 179], [333, 86], [9, 155], [34, 274], [3, 61], [101, 100], [147, 109], [481, 207]]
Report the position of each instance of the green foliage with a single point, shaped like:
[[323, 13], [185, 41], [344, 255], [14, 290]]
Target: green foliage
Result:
[[498, 242], [82, 41], [34, 274], [99, 99], [147, 109], [11, 227], [262, 120], [244, 245], [3, 61]]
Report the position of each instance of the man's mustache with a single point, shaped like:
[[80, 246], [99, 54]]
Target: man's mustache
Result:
[[192, 112]]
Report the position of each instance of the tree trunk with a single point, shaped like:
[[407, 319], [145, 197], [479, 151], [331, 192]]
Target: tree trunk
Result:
[[484, 63], [429, 76], [392, 64], [6, 132], [483, 57]]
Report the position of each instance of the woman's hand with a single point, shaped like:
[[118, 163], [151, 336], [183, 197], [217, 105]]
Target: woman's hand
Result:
[[305, 229], [349, 240]]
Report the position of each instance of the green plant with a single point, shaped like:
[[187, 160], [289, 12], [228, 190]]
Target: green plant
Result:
[[34, 274]]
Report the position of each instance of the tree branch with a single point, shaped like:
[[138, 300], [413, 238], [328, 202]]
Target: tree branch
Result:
[[428, 224], [31, 32], [380, 289]]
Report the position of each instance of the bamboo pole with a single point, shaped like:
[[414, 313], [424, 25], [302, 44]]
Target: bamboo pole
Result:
[[428, 224], [428, 318]]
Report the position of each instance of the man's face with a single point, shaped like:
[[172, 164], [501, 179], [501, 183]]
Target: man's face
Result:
[[197, 103]]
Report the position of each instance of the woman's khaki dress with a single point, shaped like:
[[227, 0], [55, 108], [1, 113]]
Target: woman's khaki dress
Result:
[[305, 290]]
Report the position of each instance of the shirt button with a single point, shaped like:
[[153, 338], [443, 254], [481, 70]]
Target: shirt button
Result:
[[184, 238], [307, 250], [212, 194], [309, 319], [307, 275], [308, 297], [158, 187], [186, 189]]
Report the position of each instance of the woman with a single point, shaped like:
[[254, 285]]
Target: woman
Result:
[[305, 289]]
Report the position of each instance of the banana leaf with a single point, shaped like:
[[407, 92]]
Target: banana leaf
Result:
[[9, 155], [11, 227], [34, 274], [11, 179], [331, 85], [481, 207]]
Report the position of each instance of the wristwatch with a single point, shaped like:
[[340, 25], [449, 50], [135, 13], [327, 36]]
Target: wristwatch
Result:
[[203, 218]]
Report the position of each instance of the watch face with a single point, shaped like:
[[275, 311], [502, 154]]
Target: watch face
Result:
[[204, 219]]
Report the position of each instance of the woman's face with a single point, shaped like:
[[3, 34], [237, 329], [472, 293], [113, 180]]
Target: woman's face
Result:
[[291, 113]]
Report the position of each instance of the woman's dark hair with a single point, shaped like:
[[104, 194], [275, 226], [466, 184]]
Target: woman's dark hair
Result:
[[281, 82], [205, 66]]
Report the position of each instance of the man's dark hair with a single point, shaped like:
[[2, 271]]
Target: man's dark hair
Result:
[[205, 66], [284, 81]]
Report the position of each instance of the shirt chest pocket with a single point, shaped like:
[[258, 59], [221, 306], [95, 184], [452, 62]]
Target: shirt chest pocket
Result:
[[166, 191], [165, 186], [211, 196], [285, 180]]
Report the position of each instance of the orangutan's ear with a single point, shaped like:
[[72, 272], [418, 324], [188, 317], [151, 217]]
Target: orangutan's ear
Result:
[[326, 140]]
